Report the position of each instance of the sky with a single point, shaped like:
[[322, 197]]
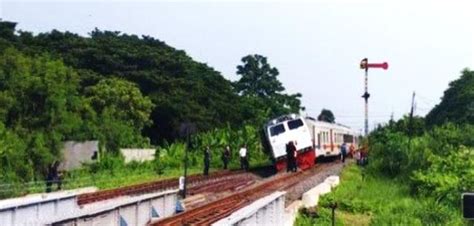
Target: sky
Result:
[[316, 45]]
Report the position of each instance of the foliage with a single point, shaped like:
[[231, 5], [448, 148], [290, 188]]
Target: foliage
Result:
[[42, 107], [172, 155], [447, 177], [124, 112], [179, 88], [121, 99], [14, 164], [326, 116], [371, 199], [259, 83], [39, 103], [457, 103], [414, 126], [436, 165]]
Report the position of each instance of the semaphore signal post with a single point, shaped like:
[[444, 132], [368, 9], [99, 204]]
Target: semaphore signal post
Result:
[[364, 64]]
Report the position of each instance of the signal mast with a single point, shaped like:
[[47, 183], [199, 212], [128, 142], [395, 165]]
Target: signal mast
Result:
[[364, 64]]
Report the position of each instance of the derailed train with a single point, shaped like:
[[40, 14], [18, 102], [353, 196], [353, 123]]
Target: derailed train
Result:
[[313, 139]]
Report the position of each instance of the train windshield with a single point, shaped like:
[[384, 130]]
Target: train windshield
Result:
[[294, 124], [275, 130]]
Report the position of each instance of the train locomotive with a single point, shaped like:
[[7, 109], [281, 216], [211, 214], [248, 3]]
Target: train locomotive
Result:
[[313, 139]]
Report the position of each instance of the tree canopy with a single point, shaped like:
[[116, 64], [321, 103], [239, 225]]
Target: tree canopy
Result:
[[457, 104], [260, 86], [180, 88], [326, 116]]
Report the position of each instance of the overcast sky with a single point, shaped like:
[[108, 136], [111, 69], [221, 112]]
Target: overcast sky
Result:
[[315, 45]]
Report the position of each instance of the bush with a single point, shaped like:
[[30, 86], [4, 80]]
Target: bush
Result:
[[447, 177], [389, 154]]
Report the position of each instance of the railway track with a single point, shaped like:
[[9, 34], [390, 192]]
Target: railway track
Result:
[[216, 210], [197, 183]]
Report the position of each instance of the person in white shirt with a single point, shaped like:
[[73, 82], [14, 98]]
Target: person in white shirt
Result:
[[244, 164]]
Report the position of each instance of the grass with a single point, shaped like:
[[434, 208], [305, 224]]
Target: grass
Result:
[[365, 199]]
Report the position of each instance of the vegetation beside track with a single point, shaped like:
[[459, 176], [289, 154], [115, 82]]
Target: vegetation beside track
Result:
[[367, 199], [418, 168]]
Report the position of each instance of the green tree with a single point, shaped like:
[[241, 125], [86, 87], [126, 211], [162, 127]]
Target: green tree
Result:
[[260, 85], [14, 162], [180, 88], [40, 103], [407, 126], [457, 104], [122, 111], [326, 116]]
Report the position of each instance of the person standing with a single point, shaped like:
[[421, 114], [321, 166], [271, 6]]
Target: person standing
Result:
[[351, 150], [226, 156], [289, 157], [293, 154], [243, 158], [53, 176], [207, 160], [343, 152]]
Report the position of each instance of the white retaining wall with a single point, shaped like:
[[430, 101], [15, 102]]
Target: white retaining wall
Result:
[[76, 153], [132, 210], [38, 209], [139, 155], [268, 210]]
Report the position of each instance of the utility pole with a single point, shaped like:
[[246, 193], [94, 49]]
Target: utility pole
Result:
[[186, 129], [412, 111], [364, 64]]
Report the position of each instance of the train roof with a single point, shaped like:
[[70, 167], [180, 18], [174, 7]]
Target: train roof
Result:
[[328, 124], [282, 119]]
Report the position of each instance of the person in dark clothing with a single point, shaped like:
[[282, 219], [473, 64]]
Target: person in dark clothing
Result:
[[226, 156], [207, 160], [291, 155], [343, 152], [53, 176]]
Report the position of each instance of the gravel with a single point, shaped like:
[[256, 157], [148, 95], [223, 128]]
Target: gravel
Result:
[[321, 172]]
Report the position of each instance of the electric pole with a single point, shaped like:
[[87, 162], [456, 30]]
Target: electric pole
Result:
[[412, 111]]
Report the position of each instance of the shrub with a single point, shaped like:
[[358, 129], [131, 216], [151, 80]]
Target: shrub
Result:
[[389, 154], [447, 177]]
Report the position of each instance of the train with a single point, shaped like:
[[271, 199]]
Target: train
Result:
[[313, 139]]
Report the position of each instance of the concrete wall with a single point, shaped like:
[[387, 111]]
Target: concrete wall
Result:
[[310, 199], [38, 209], [268, 210], [139, 155], [132, 210], [61, 208], [76, 153]]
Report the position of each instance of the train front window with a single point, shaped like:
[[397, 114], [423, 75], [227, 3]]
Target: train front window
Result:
[[294, 124], [275, 130]]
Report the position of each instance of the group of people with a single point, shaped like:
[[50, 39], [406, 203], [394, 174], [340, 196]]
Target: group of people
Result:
[[225, 157], [345, 152], [360, 155]]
